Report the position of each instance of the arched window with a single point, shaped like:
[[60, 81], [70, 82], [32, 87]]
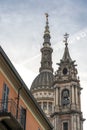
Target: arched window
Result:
[[44, 106], [65, 97]]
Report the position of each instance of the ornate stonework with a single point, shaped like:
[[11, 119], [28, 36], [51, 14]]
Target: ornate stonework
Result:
[[42, 87], [58, 95]]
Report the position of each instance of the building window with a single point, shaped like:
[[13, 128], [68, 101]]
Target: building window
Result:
[[23, 117], [44, 106], [50, 106], [5, 98], [65, 126]]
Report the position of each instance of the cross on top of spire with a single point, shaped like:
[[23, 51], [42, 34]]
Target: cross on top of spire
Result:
[[66, 38]]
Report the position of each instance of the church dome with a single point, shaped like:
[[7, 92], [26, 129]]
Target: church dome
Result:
[[43, 80]]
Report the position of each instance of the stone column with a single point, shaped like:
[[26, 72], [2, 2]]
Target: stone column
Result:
[[76, 95], [42, 105], [78, 122], [79, 98], [72, 125], [81, 125], [73, 98], [57, 123], [57, 96], [54, 95], [60, 97], [74, 122], [56, 99], [47, 107]]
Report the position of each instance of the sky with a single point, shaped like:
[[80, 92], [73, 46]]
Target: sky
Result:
[[22, 25]]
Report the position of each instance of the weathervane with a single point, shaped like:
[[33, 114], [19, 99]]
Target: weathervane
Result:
[[66, 38]]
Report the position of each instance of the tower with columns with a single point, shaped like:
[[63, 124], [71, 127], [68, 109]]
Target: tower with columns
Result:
[[41, 87], [58, 94], [67, 91]]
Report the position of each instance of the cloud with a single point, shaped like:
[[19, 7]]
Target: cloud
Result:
[[22, 27]]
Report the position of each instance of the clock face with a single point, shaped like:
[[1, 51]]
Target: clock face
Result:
[[65, 71]]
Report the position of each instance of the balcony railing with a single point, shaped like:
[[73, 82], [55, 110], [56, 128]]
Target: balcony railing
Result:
[[10, 107]]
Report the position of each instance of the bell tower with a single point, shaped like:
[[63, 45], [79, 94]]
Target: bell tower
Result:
[[67, 112]]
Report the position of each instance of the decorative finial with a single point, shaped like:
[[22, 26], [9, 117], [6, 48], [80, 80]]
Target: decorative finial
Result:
[[47, 26], [66, 38], [46, 32], [46, 14]]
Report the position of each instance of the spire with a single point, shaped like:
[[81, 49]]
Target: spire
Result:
[[66, 36], [66, 55], [46, 32], [47, 26], [46, 50], [66, 70]]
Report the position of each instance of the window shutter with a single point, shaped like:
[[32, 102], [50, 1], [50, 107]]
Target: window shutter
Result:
[[23, 117], [5, 98]]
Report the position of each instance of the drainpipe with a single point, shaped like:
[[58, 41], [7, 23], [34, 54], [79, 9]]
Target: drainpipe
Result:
[[18, 99]]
